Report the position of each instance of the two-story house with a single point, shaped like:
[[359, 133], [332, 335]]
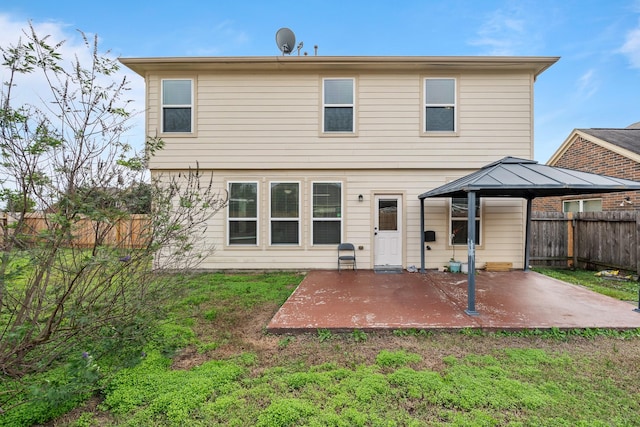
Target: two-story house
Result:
[[317, 150]]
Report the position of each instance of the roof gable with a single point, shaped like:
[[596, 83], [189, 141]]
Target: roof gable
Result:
[[622, 141]]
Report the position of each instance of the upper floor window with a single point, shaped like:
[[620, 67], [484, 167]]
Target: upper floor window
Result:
[[459, 220], [338, 105], [243, 213], [440, 105], [327, 213], [285, 213], [177, 105], [584, 205]]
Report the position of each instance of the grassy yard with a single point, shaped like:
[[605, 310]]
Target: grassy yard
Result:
[[211, 363]]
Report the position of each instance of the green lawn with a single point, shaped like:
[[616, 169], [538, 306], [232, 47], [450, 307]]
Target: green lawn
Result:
[[210, 363]]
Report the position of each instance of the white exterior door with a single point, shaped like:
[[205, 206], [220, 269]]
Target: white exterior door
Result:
[[387, 239]]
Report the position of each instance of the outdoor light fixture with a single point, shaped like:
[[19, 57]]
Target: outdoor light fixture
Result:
[[360, 197], [626, 201]]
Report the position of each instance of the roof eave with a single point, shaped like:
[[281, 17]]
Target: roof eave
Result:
[[533, 64]]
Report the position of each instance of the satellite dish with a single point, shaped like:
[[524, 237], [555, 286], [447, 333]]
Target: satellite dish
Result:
[[286, 40]]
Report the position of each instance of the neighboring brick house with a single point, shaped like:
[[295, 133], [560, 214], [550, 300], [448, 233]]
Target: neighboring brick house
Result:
[[611, 152]]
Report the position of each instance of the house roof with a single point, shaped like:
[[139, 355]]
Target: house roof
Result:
[[533, 64], [514, 177], [628, 138], [623, 141]]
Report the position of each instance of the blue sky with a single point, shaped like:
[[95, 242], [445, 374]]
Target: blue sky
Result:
[[596, 83]]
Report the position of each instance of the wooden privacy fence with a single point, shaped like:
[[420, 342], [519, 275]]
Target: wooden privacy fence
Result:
[[125, 233], [593, 240]]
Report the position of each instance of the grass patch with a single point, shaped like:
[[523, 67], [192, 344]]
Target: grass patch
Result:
[[625, 290], [506, 387], [211, 364]]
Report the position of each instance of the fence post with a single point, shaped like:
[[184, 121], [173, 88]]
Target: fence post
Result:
[[571, 254]]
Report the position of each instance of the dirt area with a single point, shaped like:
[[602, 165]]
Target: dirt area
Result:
[[246, 332]]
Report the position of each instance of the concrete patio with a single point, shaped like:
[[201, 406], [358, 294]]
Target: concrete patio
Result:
[[513, 300]]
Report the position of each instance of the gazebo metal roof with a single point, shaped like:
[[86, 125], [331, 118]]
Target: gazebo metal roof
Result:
[[527, 179], [515, 177]]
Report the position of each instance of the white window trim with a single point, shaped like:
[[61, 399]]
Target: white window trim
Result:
[[313, 219], [352, 105], [299, 218], [229, 218], [465, 219], [423, 130], [580, 203], [163, 106]]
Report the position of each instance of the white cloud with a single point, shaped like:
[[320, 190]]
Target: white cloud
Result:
[[587, 84], [631, 47], [502, 33]]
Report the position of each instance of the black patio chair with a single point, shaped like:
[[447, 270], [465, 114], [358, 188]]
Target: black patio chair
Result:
[[347, 255]]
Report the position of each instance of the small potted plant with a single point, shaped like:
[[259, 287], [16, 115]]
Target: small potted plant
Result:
[[454, 265]]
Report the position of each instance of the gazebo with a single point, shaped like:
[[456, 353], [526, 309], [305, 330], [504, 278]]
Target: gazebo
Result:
[[515, 177]]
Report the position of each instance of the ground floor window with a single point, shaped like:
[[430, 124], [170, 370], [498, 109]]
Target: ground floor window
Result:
[[327, 213], [459, 221], [243, 213], [285, 213], [582, 205]]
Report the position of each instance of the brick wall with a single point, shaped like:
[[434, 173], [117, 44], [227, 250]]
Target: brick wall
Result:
[[586, 156]]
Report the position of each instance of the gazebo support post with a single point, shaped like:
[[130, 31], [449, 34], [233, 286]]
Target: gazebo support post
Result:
[[422, 239], [527, 237], [471, 250]]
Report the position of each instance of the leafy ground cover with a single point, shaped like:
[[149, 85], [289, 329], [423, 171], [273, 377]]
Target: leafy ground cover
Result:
[[211, 363]]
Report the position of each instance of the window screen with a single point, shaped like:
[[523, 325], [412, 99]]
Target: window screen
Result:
[[243, 213], [285, 213], [327, 213], [177, 106], [440, 99], [338, 105]]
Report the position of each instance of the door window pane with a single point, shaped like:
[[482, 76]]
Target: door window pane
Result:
[[387, 215]]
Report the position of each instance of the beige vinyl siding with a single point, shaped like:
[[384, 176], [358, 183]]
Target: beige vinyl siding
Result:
[[272, 121], [503, 234]]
